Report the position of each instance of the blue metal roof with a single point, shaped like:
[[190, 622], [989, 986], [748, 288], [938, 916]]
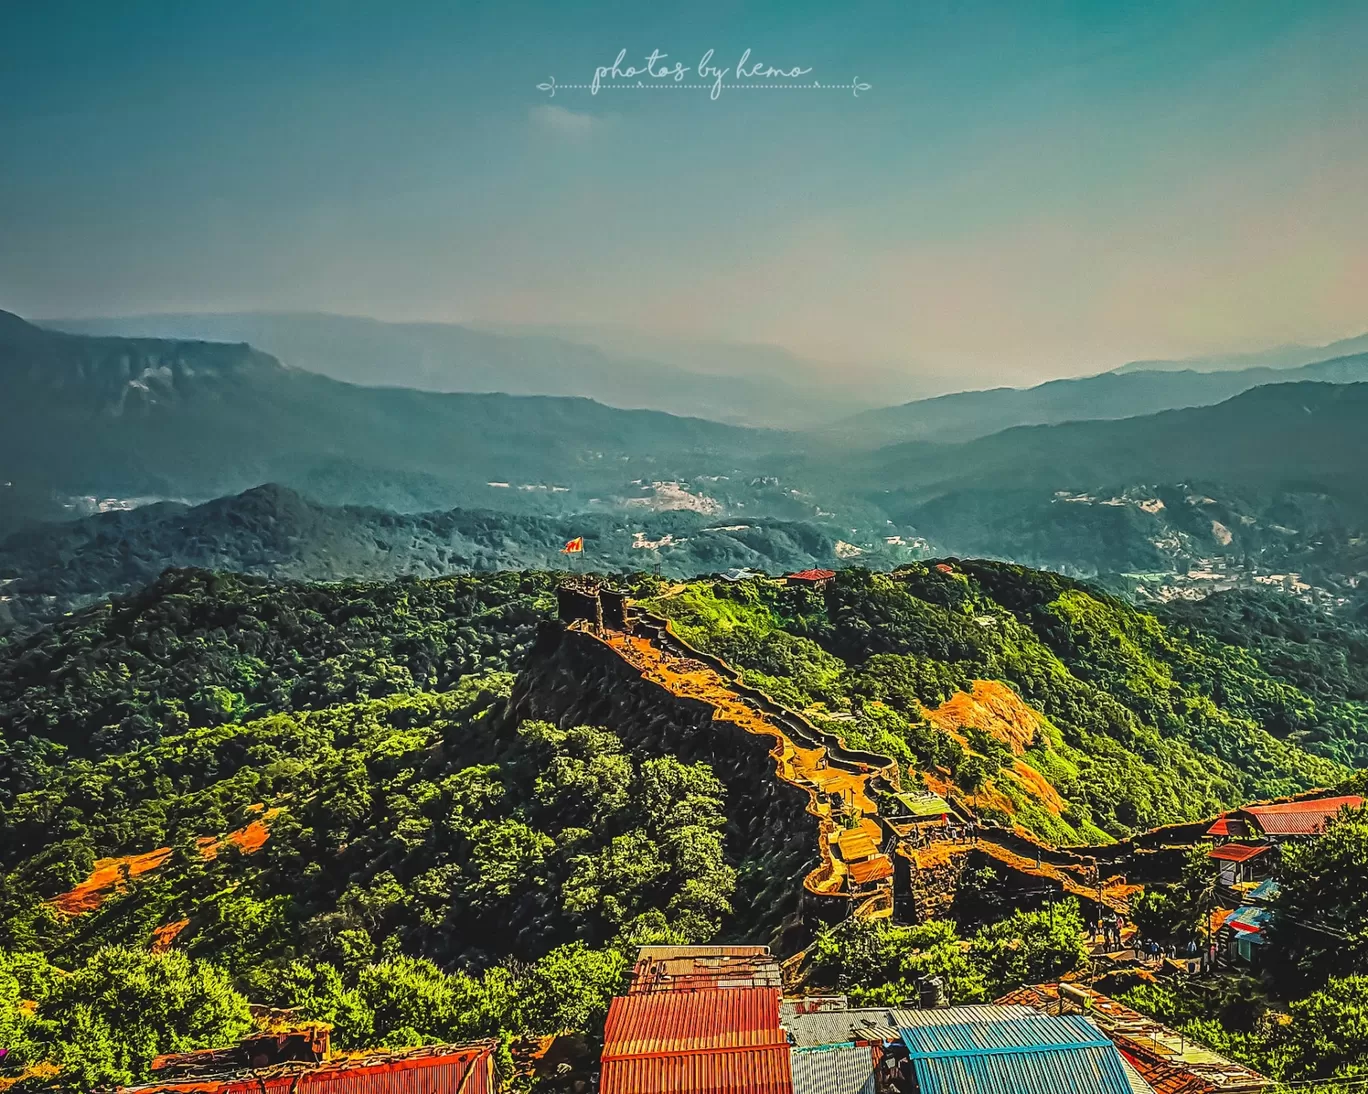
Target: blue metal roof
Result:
[[1264, 892], [1044, 1054]]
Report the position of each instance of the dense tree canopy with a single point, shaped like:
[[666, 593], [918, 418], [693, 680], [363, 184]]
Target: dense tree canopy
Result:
[[315, 796]]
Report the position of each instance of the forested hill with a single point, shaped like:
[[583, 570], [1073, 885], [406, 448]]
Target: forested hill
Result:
[[315, 795], [275, 532]]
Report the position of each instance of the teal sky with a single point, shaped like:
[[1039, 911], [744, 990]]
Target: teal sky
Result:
[[1027, 189]]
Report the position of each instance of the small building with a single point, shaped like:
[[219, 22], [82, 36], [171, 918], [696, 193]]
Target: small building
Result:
[[703, 968], [1282, 820], [1241, 863], [468, 1068], [1241, 933], [967, 1050], [815, 579], [926, 810], [1169, 1061]]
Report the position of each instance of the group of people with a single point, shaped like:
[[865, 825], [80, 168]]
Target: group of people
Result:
[[1109, 926], [1194, 956]]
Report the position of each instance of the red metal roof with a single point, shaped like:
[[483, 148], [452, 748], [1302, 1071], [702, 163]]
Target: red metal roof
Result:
[[812, 575], [467, 1069], [1238, 852], [737, 1071], [674, 1022], [1301, 818]]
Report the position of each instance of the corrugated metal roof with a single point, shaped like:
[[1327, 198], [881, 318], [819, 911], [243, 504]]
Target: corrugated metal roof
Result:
[[905, 1018], [835, 1027], [464, 1068], [1172, 1063], [1264, 891], [667, 953], [1229, 825], [672, 1022], [834, 1069], [1248, 920], [1302, 818], [738, 1071], [1036, 1054], [1237, 852], [871, 869]]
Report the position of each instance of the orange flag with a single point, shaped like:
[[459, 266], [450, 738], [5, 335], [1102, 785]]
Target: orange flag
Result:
[[574, 547]]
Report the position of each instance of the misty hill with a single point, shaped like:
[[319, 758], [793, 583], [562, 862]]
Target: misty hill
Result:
[[120, 416], [1121, 394], [731, 384], [1279, 357], [1281, 436], [842, 386], [274, 532]]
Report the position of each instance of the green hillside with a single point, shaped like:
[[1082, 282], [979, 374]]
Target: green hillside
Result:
[[274, 532], [313, 795]]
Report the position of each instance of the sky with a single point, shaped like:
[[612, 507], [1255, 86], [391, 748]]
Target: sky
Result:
[[1026, 188]]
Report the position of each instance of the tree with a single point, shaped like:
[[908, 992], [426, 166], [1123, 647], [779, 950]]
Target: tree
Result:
[[1320, 923], [878, 963], [106, 1021], [1179, 910], [1328, 1037], [568, 990], [1030, 947]]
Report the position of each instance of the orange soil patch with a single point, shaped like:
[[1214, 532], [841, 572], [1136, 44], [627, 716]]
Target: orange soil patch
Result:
[[1039, 787], [163, 937], [111, 874], [250, 838], [992, 708], [108, 877]]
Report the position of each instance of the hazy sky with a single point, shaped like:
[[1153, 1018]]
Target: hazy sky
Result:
[[1027, 188]]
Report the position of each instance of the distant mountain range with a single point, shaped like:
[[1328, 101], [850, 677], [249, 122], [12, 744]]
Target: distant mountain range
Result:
[[1275, 476], [119, 416], [1300, 436], [1291, 356], [751, 385], [1123, 394]]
